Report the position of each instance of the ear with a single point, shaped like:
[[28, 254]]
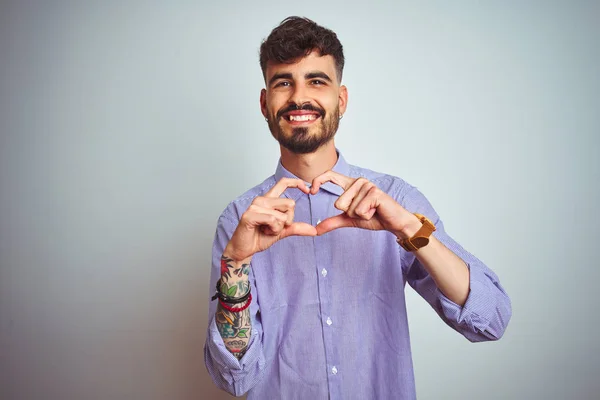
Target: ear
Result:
[[263, 103], [343, 99]]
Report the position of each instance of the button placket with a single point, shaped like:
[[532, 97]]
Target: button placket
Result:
[[320, 205]]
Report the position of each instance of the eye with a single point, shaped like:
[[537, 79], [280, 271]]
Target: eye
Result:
[[282, 84], [317, 82]]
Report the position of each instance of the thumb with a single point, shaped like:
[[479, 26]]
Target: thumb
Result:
[[298, 229], [339, 221]]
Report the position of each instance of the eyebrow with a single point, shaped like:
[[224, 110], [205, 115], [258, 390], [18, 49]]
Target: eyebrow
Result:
[[308, 75], [317, 74], [281, 75]]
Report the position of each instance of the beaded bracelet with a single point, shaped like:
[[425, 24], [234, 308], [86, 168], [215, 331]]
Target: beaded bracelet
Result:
[[234, 309], [231, 300]]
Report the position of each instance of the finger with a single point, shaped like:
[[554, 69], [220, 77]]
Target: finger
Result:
[[257, 216], [331, 176], [268, 224], [368, 205], [281, 204], [332, 223], [347, 198], [299, 229], [281, 216], [278, 203], [285, 183], [358, 202]]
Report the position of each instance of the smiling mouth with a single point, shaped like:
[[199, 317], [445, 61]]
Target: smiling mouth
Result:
[[300, 118]]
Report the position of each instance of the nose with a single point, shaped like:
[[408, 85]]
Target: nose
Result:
[[299, 96]]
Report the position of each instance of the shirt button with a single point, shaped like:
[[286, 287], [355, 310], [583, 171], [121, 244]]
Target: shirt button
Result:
[[334, 370], [324, 272], [329, 321]]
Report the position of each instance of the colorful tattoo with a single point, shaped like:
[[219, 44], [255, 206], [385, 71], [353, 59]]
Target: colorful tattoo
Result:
[[235, 327]]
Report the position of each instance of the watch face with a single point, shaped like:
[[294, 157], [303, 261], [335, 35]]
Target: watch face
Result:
[[419, 242]]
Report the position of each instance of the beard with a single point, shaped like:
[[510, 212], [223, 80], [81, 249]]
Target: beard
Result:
[[305, 140]]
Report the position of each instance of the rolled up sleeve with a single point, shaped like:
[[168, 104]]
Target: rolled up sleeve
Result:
[[227, 372], [487, 310]]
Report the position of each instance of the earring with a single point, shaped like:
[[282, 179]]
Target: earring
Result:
[[267, 119], [341, 116]]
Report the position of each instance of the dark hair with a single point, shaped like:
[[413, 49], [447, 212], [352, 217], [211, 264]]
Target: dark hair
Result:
[[296, 37]]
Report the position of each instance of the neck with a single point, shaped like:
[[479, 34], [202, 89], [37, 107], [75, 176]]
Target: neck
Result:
[[308, 166]]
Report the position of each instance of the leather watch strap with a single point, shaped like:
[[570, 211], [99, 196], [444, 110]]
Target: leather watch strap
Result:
[[421, 237]]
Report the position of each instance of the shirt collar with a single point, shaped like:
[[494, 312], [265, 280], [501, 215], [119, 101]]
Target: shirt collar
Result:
[[341, 167]]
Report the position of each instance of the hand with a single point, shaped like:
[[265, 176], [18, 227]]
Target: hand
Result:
[[268, 219], [365, 206]]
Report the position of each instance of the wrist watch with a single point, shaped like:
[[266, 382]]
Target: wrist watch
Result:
[[421, 238]]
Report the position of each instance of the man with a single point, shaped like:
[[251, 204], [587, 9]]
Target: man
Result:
[[311, 264]]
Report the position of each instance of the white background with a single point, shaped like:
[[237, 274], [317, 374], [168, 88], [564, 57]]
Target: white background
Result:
[[125, 130]]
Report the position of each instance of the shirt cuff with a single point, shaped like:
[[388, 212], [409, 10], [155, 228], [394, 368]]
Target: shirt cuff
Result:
[[234, 370], [478, 304]]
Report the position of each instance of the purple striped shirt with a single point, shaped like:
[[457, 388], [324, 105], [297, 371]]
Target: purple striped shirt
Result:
[[329, 314]]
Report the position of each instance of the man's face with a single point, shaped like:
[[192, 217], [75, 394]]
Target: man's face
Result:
[[303, 102]]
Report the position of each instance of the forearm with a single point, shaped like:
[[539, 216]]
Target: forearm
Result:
[[448, 271], [235, 327]]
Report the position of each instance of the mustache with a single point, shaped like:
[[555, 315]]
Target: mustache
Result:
[[305, 106]]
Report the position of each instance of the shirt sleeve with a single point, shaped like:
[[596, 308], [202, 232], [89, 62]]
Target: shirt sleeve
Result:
[[227, 372], [487, 310]]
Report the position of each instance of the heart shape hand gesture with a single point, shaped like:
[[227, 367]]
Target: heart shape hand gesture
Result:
[[364, 206], [271, 218]]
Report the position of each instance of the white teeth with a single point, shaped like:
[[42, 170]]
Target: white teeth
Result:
[[306, 117]]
